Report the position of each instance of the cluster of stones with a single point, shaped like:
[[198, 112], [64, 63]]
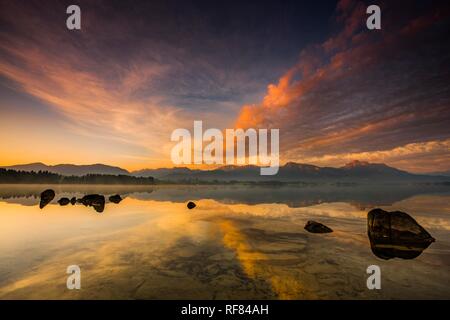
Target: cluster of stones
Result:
[[97, 201]]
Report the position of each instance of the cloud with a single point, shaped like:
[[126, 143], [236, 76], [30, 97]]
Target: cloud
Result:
[[130, 77], [363, 91], [98, 96], [123, 78]]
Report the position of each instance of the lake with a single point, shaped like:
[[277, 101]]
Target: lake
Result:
[[239, 242]]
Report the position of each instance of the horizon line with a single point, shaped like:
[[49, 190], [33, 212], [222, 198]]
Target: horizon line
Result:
[[214, 167]]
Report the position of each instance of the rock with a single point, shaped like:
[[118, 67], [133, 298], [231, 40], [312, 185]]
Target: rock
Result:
[[316, 227], [191, 205], [46, 197], [396, 235], [73, 200], [115, 199], [63, 201], [94, 200]]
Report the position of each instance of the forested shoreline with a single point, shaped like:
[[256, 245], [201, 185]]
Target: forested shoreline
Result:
[[45, 177]]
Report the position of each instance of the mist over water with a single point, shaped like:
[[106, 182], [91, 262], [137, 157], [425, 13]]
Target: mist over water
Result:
[[239, 242]]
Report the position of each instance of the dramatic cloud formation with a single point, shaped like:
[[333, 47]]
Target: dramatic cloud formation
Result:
[[114, 91], [370, 95], [93, 91]]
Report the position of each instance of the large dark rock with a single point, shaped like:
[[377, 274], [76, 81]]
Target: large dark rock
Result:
[[63, 201], [94, 200], [316, 227], [191, 205], [396, 235], [46, 197], [115, 199], [73, 200]]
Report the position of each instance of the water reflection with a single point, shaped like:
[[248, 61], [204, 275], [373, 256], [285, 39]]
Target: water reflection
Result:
[[152, 246], [363, 196]]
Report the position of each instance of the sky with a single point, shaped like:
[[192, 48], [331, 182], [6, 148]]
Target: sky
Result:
[[114, 91]]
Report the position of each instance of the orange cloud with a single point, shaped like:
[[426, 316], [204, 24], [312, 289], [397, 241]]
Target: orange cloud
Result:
[[353, 94], [97, 96]]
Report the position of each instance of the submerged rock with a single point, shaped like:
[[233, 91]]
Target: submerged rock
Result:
[[46, 197], [191, 205], [94, 200], [73, 200], [316, 227], [115, 199], [63, 201], [396, 235]]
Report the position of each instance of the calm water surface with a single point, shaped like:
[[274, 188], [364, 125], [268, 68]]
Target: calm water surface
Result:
[[240, 242]]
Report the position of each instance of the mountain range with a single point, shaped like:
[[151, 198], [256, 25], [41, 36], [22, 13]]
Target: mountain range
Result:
[[356, 171]]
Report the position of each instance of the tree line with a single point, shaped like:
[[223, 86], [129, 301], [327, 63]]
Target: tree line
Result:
[[46, 177]]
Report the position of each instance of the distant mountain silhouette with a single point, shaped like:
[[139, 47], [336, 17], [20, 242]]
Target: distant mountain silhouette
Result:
[[355, 171], [70, 169]]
